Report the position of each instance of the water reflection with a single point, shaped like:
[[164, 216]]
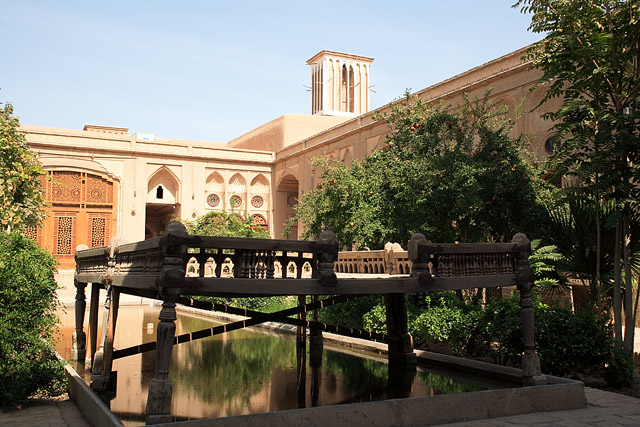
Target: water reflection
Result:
[[250, 371]]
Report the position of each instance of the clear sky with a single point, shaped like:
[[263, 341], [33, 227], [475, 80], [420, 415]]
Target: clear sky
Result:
[[213, 70]]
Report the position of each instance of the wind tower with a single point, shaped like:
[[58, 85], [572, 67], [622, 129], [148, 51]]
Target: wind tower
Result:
[[339, 84]]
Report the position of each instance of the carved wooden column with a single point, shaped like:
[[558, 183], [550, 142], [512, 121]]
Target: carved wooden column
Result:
[[79, 338], [315, 355], [531, 372], [93, 322], [326, 247], [399, 339], [419, 253], [97, 362], [170, 285], [301, 355]]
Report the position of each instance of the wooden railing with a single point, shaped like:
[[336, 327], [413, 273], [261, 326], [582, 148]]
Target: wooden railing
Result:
[[204, 263], [383, 261]]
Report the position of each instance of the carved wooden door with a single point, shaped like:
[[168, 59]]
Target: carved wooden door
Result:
[[82, 211]]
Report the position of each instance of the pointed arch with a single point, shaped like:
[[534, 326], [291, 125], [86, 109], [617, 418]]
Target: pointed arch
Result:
[[288, 177], [238, 182], [347, 157], [163, 177], [215, 181], [260, 181]]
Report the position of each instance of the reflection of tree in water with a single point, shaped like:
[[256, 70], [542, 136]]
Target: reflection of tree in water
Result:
[[446, 385], [218, 371], [360, 375]]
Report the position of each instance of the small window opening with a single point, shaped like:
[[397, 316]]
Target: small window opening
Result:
[[551, 145], [159, 192]]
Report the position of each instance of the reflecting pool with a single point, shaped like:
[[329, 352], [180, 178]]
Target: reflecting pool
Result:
[[251, 371]]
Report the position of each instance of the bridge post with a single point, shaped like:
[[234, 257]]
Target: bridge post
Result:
[[79, 338], [327, 255], [170, 284], [315, 355], [400, 340], [93, 321], [104, 379], [531, 372]]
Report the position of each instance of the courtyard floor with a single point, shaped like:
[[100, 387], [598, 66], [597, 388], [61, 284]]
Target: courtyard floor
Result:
[[603, 409]]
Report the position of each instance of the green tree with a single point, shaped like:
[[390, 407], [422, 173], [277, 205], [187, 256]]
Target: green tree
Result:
[[216, 223], [590, 58], [21, 194], [452, 176]]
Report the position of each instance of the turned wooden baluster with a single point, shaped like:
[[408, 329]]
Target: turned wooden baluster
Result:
[[531, 372], [170, 285], [327, 252], [79, 338]]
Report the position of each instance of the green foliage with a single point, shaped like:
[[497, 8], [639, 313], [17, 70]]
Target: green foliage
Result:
[[448, 319], [452, 176], [567, 342], [375, 320], [544, 262], [619, 372], [589, 59], [572, 342], [350, 313], [27, 322], [571, 229], [21, 194], [216, 223]]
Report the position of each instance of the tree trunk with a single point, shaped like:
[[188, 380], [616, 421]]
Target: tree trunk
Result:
[[617, 287], [629, 324]]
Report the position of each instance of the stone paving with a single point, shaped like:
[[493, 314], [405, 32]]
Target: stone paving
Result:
[[45, 413], [604, 409]]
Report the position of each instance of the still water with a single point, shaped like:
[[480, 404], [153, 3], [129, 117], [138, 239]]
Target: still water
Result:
[[250, 371]]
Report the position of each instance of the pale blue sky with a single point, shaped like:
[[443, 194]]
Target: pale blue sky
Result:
[[213, 70]]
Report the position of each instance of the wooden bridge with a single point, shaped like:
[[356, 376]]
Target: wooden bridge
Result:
[[177, 265]]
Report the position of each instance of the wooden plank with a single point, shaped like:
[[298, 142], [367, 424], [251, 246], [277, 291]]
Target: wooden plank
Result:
[[136, 281], [211, 242], [469, 248], [93, 252], [91, 277], [143, 245], [276, 287]]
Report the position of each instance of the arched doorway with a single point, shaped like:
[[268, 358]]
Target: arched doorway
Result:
[[162, 202], [286, 198]]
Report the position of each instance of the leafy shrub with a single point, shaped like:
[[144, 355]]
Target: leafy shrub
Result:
[[619, 372], [572, 342], [567, 342], [27, 322], [448, 319], [375, 320], [350, 313]]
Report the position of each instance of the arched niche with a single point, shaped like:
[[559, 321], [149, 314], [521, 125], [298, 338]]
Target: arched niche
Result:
[[215, 182], [347, 157], [260, 183], [237, 183], [163, 187]]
